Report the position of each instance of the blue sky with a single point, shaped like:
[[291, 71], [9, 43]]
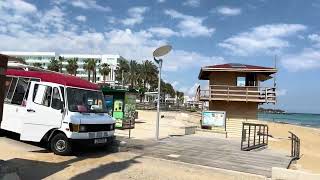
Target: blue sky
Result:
[[202, 32]]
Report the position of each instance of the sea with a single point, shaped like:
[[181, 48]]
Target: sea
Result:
[[302, 119]]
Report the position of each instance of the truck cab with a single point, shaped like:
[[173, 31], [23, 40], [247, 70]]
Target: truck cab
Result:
[[55, 108]]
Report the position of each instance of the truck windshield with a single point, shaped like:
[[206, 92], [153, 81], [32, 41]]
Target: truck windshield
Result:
[[85, 101]]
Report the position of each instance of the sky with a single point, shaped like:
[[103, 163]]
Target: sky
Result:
[[201, 32]]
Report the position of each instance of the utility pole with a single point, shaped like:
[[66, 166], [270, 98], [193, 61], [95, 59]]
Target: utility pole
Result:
[[122, 78], [161, 51], [158, 104]]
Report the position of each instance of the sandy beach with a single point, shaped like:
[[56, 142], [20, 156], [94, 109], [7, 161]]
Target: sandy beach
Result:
[[310, 144], [173, 122]]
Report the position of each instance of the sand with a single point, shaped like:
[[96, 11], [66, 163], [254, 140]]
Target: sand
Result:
[[310, 144], [37, 163], [173, 122]]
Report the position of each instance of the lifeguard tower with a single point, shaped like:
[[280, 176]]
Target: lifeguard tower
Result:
[[237, 90]]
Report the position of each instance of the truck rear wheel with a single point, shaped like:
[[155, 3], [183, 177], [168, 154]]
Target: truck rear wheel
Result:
[[60, 145]]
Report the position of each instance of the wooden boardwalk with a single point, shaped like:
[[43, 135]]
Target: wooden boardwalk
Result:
[[217, 152]]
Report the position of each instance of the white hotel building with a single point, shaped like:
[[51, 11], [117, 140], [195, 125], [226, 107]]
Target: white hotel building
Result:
[[45, 57]]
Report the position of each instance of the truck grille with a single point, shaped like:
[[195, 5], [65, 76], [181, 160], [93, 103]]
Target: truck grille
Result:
[[98, 127]]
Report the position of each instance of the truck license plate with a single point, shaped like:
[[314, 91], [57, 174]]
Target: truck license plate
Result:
[[100, 141]]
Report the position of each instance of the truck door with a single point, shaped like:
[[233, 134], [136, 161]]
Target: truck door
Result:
[[44, 111]]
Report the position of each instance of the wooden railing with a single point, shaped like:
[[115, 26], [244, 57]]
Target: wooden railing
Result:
[[254, 136], [238, 93], [295, 146]]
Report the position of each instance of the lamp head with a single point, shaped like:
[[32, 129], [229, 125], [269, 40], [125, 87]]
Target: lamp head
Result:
[[161, 51]]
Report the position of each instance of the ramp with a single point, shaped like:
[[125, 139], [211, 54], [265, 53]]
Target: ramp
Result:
[[218, 153]]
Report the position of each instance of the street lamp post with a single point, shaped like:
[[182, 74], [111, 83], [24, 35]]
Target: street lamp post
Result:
[[161, 51]]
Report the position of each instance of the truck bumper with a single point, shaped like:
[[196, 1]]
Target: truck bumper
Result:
[[91, 142]]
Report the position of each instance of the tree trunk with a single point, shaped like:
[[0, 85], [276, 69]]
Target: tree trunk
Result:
[[93, 76]]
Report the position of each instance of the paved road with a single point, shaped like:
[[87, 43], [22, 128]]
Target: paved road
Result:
[[216, 152], [35, 162]]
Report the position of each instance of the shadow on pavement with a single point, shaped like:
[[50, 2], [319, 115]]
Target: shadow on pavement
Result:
[[35, 169], [106, 169], [32, 169]]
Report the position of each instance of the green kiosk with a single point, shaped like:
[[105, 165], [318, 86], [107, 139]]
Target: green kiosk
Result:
[[121, 104]]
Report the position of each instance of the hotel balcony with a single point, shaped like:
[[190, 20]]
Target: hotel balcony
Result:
[[237, 93]]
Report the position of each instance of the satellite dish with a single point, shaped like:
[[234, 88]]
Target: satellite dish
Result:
[[161, 51]]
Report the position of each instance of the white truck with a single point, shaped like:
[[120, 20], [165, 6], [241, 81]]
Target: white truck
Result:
[[59, 109]]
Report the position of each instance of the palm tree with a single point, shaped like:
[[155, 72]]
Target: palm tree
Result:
[[94, 69], [54, 65], [133, 73], [87, 68], [149, 73], [61, 60], [38, 65], [180, 97], [122, 70], [166, 88], [104, 71], [90, 66], [72, 66]]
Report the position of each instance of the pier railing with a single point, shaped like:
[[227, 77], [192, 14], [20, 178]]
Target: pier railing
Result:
[[254, 136], [295, 146], [238, 93]]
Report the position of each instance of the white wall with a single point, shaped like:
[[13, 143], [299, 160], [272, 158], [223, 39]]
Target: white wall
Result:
[[45, 57]]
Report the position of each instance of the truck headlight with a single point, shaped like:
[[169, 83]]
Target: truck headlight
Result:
[[74, 127]]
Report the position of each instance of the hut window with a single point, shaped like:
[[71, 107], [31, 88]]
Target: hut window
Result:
[[241, 81]]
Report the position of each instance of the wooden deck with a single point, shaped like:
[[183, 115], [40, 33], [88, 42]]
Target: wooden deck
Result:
[[217, 152], [237, 93]]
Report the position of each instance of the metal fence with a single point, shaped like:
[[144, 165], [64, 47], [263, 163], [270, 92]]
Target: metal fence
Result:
[[254, 136], [168, 107], [295, 146]]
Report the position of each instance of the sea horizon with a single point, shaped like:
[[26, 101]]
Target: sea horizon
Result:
[[301, 119]]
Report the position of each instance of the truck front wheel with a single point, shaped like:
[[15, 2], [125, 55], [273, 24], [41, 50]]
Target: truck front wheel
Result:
[[60, 145]]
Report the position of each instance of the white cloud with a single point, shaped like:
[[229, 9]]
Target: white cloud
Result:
[[162, 32], [83, 4], [262, 39], [15, 12], [161, 1], [228, 11], [89, 4], [189, 91], [306, 60], [53, 19], [315, 38], [111, 19], [18, 6], [50, 30], [281, 92], [81, 18], [191, 3], [135, 16], [180, 58], [190, 26]]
